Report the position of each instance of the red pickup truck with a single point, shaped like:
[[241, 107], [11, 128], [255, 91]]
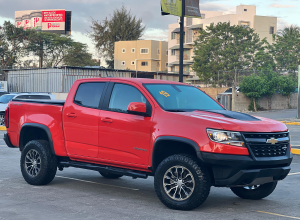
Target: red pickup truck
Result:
[[144, 127]]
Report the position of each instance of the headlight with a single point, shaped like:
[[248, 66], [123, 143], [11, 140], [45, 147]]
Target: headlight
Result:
[[226, 137]]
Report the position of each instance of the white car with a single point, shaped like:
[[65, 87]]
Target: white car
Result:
[[4, 99]]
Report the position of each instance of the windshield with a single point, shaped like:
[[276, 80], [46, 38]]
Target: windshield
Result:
[[6, 98], [181, 98]]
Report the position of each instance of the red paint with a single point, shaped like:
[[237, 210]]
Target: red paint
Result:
[[126, 140]]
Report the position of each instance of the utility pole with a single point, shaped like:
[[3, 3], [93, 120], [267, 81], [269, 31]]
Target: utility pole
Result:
[[298, 104], [181, 42]]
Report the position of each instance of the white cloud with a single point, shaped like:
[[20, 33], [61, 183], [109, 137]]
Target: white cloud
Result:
[[155, 34], [281, 6]]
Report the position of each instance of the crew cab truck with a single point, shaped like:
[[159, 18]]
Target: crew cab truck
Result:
[[144, 127]]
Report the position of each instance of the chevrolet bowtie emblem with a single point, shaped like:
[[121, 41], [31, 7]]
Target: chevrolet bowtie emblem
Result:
[[272, 141]]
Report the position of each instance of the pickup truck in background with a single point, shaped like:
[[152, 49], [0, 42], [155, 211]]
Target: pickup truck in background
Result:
[[144, 127]]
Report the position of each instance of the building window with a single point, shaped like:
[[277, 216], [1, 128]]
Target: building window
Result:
[[123, 50], [173, 52], [245, 24], [167, 52], [133, 50], [203, 16], [158, 52], [166, 64], [144, 50], [173, 36], [272, 30], [144, 63], [132, 62], [123, 63], [245, 9], [158, 64], [173, 69]]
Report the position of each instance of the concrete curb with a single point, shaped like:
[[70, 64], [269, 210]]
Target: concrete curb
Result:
[[290, 123]]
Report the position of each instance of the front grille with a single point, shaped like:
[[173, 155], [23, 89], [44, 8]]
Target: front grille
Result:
[[262, 145], [269, 150]]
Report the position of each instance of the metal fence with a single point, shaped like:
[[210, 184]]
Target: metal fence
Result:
[[54, 79]]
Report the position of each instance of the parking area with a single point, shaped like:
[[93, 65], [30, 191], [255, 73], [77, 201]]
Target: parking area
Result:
[[84, 194]]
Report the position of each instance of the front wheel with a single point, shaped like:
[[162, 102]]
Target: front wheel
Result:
[[181, 183], [255, 192]]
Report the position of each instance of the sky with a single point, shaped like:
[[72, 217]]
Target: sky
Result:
[[84, 11]]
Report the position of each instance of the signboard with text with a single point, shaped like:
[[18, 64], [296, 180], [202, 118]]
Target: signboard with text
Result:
[[174, 7], [42, 20]]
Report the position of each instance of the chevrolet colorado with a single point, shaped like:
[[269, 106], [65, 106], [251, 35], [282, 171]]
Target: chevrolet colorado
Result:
[[144, 127]]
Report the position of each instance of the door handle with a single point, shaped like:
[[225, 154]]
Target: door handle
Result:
[[71, 115], [107, 120]]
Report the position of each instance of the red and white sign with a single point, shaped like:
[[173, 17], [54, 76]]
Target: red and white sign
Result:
[[45, 20]]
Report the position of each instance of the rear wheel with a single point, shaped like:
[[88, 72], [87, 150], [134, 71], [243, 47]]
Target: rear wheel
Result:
[[110, 175], [181, 183], [255, 192], [38, 164]]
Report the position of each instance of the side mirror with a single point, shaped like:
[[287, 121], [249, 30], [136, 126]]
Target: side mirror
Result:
[[137, 108]]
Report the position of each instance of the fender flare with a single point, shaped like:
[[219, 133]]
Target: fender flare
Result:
[[40, 126], [177, 139]]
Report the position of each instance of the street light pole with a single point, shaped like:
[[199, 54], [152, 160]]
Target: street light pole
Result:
[[181, 42]]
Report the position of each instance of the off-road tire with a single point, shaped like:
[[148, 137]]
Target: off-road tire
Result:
[[48, 163], [110, 175], [260, 192], [201, 177]]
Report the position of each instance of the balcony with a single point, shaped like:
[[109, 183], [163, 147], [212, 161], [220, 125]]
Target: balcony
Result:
[[185, 57]]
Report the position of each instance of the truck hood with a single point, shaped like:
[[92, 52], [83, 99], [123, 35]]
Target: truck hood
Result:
[[235, 121]]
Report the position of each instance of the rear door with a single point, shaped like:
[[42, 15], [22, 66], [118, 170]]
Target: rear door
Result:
[[81, 120]]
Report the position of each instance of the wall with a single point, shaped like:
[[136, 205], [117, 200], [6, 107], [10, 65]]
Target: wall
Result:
[[278, 102], [213, 92], [60, 96]]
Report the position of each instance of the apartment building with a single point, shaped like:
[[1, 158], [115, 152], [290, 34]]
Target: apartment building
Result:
[[245, 15], [141, 55]]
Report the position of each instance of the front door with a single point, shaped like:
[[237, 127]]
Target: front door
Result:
[[124, 138], [80, 120]]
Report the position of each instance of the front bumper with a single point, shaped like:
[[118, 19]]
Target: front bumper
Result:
[[7, 141], [236, 170]]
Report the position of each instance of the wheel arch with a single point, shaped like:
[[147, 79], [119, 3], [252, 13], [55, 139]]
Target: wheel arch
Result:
[[181, 145], [36, 132]]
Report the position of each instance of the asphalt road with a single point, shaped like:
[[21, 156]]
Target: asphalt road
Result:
[[277, 114], [83, 194]]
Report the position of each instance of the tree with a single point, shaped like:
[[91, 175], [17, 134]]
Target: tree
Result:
[[223, 47], [271, 80], [286, 48], [287, 86], [78, 55], [263, 58], [253, 87], [51, 48], [122, 26], [13, 43]]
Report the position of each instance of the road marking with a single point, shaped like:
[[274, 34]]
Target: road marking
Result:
[[290, 174], [290, 123], [85, 181], [286, 216], [2, 128]]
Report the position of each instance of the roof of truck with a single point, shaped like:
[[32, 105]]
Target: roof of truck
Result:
[[136, 80]]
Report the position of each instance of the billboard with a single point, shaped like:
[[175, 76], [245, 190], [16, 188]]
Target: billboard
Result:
[[44, 20], [174, 7]]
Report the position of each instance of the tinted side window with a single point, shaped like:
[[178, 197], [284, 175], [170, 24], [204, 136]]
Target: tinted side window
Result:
[[38, 97], [22, 97], [89, 94], [122, 95]]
